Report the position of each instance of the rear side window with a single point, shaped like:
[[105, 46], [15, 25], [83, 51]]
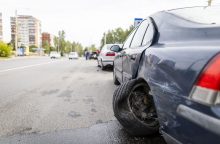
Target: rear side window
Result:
[[148, 37], [138, 37]]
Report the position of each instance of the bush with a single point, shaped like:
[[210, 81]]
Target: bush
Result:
[[13, 53], [5, 50], [32, 48]]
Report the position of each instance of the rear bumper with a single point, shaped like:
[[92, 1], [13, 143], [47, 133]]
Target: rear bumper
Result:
[[107, 62], [205, 121]]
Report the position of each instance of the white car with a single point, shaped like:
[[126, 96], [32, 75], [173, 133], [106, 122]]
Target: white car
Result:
[[73, 55], [54, 55], [106, 56]]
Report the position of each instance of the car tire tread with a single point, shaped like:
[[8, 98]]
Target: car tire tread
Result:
[[115, 80]]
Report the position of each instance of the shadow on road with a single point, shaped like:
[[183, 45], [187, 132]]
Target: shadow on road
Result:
[[110, 132], [107, 69]]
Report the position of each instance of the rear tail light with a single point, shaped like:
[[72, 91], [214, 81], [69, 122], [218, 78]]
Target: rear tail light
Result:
[[110, 54], [207, 88]]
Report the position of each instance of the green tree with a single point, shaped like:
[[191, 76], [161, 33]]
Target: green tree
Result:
[[74, 46], [32, 48], [64, 46], [117, 35], [52, 48], [92, 48], [61, 41], [56, 43], [46, 46], [77, 47], [5, 50], [80, 50], [68, 47]]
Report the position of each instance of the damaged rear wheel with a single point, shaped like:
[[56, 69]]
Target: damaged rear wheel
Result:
[[134, 108]]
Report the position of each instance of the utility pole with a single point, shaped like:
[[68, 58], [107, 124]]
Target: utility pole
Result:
[[16, 33], [105, 39], [209, 2], [58, 44]]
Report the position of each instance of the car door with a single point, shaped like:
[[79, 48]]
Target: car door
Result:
[[120, 56], [133, 52]]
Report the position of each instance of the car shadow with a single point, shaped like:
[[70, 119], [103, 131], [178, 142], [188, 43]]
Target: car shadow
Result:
[[102, 133]]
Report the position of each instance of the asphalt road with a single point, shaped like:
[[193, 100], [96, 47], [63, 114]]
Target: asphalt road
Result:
[[43, 100], [43, 95]]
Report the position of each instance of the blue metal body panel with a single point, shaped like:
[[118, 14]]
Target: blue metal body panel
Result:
[[170, 73], [172, 64]]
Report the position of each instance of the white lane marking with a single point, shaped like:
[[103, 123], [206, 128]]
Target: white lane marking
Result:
[[28, 66]]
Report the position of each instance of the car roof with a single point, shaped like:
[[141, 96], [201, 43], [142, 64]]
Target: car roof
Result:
[[209, 15], [199, 14], [177, 28]]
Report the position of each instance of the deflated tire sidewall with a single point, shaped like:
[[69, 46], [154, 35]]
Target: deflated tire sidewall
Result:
[[125, 115]]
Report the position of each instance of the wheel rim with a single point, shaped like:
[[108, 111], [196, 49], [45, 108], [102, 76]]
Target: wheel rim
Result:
[[142, 106]]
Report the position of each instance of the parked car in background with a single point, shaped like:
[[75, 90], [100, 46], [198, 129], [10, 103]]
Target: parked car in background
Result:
[[55, 55], [93, 55], [106, 56], [169, 70], [73, 55]]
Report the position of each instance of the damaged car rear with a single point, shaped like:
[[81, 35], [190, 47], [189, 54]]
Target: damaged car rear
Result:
[[169, 71]]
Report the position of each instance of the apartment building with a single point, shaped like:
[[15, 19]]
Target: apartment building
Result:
[[49, 38], [28, 30]]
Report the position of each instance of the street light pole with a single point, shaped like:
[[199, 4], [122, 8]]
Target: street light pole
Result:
[[105, 39]]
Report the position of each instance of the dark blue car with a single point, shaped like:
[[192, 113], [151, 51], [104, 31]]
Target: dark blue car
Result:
[[169, 71]]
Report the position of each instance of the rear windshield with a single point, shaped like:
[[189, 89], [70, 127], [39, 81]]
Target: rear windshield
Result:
[[109, 46], [204, 15]]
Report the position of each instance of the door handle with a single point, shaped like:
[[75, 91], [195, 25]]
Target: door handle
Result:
[[133, 57]]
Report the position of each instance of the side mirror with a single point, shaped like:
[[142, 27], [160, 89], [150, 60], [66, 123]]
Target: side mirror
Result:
[[115, 48]]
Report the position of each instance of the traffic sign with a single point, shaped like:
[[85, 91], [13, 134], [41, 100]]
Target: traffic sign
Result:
[[137, 21]]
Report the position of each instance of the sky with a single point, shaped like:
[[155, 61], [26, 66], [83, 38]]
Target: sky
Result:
[[85, 21]]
